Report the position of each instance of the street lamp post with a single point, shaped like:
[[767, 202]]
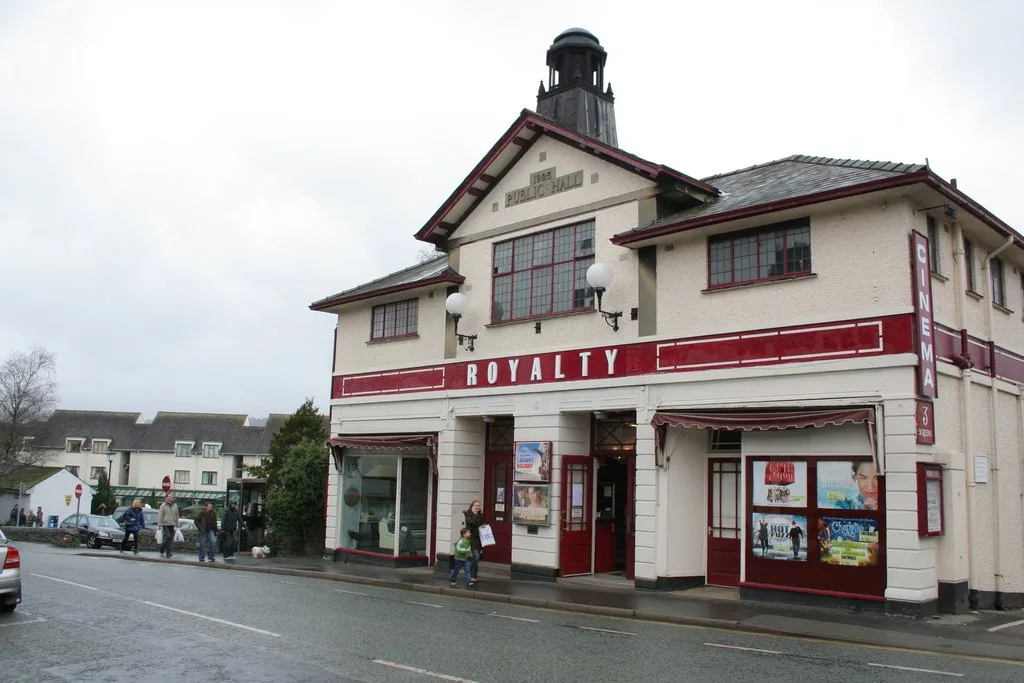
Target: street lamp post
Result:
[[110, 462]]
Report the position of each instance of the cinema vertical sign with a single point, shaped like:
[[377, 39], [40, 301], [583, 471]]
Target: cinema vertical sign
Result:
[[924, 335]]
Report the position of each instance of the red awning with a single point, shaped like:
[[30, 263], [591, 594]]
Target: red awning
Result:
[[389, 442]]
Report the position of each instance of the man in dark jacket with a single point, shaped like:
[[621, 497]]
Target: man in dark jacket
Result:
[[134, 521], [206, 522], [229, 524]]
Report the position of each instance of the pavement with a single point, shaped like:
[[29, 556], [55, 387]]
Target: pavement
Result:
[[989, 635]]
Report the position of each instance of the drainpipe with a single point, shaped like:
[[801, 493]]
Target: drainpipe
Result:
[[967, 433], [994, 400]]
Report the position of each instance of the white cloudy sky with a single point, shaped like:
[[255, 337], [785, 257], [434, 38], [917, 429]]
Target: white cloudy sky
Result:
[[179, 180]]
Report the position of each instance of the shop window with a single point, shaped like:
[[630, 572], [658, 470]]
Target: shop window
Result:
[[395, 320], [725, 441], [544, 273], [384, 504], [774, 252]]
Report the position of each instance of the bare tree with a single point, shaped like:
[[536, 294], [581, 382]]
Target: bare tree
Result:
[[426, 253], [28, 394]]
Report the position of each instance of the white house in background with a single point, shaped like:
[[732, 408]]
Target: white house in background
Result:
[[640, 370], [53, 488]]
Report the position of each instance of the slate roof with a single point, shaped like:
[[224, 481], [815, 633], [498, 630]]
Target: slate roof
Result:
[[428, 272], [123, 429], [231, 431], [30, 475], [778, 181]]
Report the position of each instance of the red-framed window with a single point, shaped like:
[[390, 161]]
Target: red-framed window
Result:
[[543, 274], [395, 320], [969, 265], [934, 251], [772, 252]]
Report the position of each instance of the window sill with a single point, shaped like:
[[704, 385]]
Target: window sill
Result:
[[939, 276], [538, 318], [758, 283], [385, 340], [974, 295], [1001, 308]]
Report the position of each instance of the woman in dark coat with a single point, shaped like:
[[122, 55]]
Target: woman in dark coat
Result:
[[474, 520]]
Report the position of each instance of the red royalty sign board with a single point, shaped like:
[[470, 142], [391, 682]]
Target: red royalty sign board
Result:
[[78, 491], [925, 431], [924, 328]]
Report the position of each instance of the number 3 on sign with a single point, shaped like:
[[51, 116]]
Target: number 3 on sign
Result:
[[925, 427]]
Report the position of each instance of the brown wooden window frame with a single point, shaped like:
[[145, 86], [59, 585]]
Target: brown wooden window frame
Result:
[[403, 315], [722, 250]]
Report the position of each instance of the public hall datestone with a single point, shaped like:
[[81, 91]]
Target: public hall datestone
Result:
[[544, 184]]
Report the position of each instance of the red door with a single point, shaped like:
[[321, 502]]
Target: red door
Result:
[[577, 515], [498, 505], [724, 522]]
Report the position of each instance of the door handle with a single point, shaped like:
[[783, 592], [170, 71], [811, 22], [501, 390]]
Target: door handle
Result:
[[709, 531]]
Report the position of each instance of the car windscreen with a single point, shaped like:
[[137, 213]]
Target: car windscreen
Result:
[[103, 522]]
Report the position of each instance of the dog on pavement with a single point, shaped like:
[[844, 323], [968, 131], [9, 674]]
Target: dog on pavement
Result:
[[260, 552]]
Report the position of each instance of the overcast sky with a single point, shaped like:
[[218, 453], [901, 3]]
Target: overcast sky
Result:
[[179, 180]]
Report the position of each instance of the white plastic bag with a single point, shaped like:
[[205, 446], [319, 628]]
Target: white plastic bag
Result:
[[158, 536], [486, 535], [178, 537]]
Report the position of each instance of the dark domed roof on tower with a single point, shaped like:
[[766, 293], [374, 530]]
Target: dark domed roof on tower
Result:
[[576, 96]]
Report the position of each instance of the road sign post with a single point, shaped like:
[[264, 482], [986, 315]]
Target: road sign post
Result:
[[78, 495]]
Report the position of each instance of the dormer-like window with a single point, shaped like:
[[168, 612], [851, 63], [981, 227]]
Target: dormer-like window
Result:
[[73, 445], [543, 274], [211, 450], [183, 449], [100, 446]]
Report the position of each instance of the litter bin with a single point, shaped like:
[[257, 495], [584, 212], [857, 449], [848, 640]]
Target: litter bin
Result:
[[51, 522]]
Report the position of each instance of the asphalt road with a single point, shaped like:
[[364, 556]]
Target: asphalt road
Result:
[[86, 619]]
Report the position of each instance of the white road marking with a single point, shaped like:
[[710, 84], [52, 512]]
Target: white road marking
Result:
[[911, 668], [70, 583], [213, 619], [605, 630], [27, 621], [1002, 626], [505, 616], [744, 649], [338, 590], [424, 672], [423, 604]]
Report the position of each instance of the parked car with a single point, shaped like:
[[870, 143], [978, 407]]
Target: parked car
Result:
[[186, 524], [95, 530], [10, 575], [148, 514]]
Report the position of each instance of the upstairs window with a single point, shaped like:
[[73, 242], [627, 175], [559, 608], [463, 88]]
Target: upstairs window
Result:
[[969, 265], [209, 479], [73, 446], [543, 274], [774, 252], [97, 472], [398, 319], [997, 273], [73, 469], [183, 449], [933, 246], [181, 476], [100, 447], [211, 450]]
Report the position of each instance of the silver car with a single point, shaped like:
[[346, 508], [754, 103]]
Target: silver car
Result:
[[10, 575]]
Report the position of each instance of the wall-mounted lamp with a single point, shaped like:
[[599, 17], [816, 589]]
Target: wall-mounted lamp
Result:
[[599, 276], [948, 210], [457, 304], [489, 419]]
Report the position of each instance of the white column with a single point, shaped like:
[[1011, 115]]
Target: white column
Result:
[[460, 464]]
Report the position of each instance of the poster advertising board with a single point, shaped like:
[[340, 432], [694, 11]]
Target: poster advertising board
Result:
[[531, 504], [847, 485], [780, 483], [779, 537], [848, 542], [533, 461]]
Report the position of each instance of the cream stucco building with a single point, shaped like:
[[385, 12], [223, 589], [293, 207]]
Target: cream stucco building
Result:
[[804, 378]]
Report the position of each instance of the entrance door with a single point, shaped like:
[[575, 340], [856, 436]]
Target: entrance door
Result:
[[498, 505], [577, 514], [724, 522]]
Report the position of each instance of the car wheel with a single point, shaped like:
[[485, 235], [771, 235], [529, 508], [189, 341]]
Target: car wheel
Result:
[[6, 609], [92, 541]]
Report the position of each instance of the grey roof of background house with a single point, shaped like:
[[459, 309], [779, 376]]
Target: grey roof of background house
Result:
[[435, 267], [227, 429], [788, 178], [123, 429]]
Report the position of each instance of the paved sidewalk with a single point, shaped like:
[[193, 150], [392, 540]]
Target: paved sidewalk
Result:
[[967, 635]]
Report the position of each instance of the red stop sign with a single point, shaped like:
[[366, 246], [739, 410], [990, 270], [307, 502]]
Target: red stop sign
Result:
[[78, 491], [165, 485]]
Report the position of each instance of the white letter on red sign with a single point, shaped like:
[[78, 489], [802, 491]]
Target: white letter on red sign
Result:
[[471, 375]]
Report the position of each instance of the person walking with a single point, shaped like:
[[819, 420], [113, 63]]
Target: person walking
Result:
[[474, 520], [134, 522], [229, 525], [22, 518], [206, 522], [167, 520], [14, 515], [462, 557], [39, 516]]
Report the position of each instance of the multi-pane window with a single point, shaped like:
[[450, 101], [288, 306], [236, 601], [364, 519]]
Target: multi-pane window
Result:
[[100, 447], [969, 265], [398, 319], [996, 270], [543, 273], [96, 473], [73, 446], [73, 469], [211, 450], [209, 478], [933, 245], [183, 449], [776, 251], [181, 476]]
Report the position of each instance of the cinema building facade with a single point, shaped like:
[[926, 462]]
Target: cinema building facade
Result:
[[802, 379]]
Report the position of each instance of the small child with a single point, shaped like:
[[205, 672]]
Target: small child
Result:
[[461, 557]]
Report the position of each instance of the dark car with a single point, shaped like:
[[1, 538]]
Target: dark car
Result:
[[95, 530]]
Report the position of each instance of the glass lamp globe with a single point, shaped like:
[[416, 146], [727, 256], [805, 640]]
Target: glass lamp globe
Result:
[[456, 303], [599, 275]]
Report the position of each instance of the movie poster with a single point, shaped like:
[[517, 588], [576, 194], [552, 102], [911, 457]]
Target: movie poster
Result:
[[848, 542], [847, 485], [780, 483], [533, 461], [779, 537], [531, 504]]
